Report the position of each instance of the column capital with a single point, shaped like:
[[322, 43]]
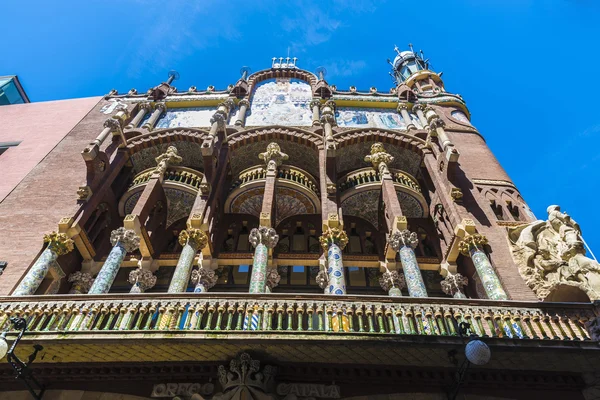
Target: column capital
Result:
[[273, 157], [405, 237], [219, 117], [436, 122], [141, 279], [402, 106], [160, 106], [379, 158], [392, 279], [420, 107], [194, 237], [322, 278], [328, 119], [243, 102], [263, 235], [168, 158], [453, 283], [204, 276], [315, 103], [144, 105], [113, 124], [333, 236], [59, 243], [473, 241], [126, 237], [228, 103]]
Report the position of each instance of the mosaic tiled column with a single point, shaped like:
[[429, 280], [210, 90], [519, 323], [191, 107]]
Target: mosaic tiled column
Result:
[[392, 282], [262, 239], [404, 242], [333, 241], [58, 244], [192, 240], [141, 279], [453, 285], [472, 246], [203, 279], [124, 241], [82, 282]]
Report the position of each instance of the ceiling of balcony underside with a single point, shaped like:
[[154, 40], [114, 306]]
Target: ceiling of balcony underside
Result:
[[190, 152]]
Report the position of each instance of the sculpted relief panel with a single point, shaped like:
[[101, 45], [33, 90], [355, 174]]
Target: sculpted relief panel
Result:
[[282, 101], [186, 117], [551, 258], [353, 117]]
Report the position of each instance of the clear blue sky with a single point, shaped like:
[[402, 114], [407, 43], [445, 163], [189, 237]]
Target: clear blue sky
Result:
[[529, 70]]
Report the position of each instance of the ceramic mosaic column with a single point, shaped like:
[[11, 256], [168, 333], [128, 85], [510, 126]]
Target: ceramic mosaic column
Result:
[[204, 279], [472, 246], [333, 241], [453, 285], [58, 244], [404, 243], [392, 282], [262, 239], [82, 282], [124, 241], [192, 240], [141, 279]]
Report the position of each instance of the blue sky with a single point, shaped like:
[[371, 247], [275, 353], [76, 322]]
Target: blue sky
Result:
[[528, 69]]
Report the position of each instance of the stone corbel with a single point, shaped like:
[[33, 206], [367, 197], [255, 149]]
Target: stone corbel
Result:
[[398, 225], [133, 222], [73, 230], [465, 228]]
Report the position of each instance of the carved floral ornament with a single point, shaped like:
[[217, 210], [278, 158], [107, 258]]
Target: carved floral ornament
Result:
[[453, 283], [333, 236], [405, 237], [141, 279], [126, 238], [82, 280], [194, 237], [204, 276], [170, 157], [263, 235], [391, 279], [244, 381], [551, 257], [474, 241], [273, 157], [59, 243], [273, 278], [379, 158]]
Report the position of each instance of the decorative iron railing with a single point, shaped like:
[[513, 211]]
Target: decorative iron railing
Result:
[[284, 172], [181, 175], [369, 175], [259, 314]]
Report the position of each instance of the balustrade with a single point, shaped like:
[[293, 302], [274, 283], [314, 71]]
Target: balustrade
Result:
[[302, 313], [370, 175], [181, 175], [284, 172]]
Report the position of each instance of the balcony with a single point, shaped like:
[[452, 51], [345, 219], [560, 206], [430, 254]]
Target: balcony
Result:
[[285, 174], [369, 176], [173, 327], [174, 175]]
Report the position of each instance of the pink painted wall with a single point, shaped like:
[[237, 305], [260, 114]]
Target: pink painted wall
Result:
[[39, 127]]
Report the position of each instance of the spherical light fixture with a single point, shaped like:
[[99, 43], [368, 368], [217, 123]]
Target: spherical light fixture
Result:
[[477, 352]]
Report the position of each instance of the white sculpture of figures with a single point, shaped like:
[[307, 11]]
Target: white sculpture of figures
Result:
[[551, 258]]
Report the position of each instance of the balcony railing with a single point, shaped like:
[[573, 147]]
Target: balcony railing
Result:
[[297, 315], [365, 176], [181, 175], [285, 173]]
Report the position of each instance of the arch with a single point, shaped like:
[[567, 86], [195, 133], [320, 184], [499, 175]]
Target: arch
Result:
[[144, 148], [300, 145], [291, 73], [567, 293]]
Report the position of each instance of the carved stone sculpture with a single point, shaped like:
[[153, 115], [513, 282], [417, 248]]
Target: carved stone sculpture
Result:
[[380, 158], [273, 157], [551, 258], [170, 157], [141, 279], [244, 380]]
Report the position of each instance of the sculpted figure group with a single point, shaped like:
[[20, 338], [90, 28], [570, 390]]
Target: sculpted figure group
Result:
[[551, 257]]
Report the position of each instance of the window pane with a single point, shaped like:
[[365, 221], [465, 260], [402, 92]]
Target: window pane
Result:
[[240, 274], [298, 275], [357, 276]]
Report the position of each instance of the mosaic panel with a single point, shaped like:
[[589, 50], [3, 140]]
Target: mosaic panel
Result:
[[186, 117], [248, 202], [460, 116], [364, 205], [300, 156], [289, 202], [190, 152], [280, 102], [352, 157], [369, 117], [411, 207], [180, 205]]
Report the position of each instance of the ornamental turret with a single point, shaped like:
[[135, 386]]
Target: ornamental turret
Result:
[[413, 70]]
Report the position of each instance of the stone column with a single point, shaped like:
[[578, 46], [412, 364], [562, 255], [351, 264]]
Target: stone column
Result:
[[142, 111], [333, 241], [392, 282], [204, 279], [419, 110], [241, 119], [141, 279], [58, 244], [472, 246], [328, 122], [262, 239], [273, 159], [314, 106], [192, 240], [403, 110], [124, 241], [82, 282], [159, 108], [404, 242], [453, 285]]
